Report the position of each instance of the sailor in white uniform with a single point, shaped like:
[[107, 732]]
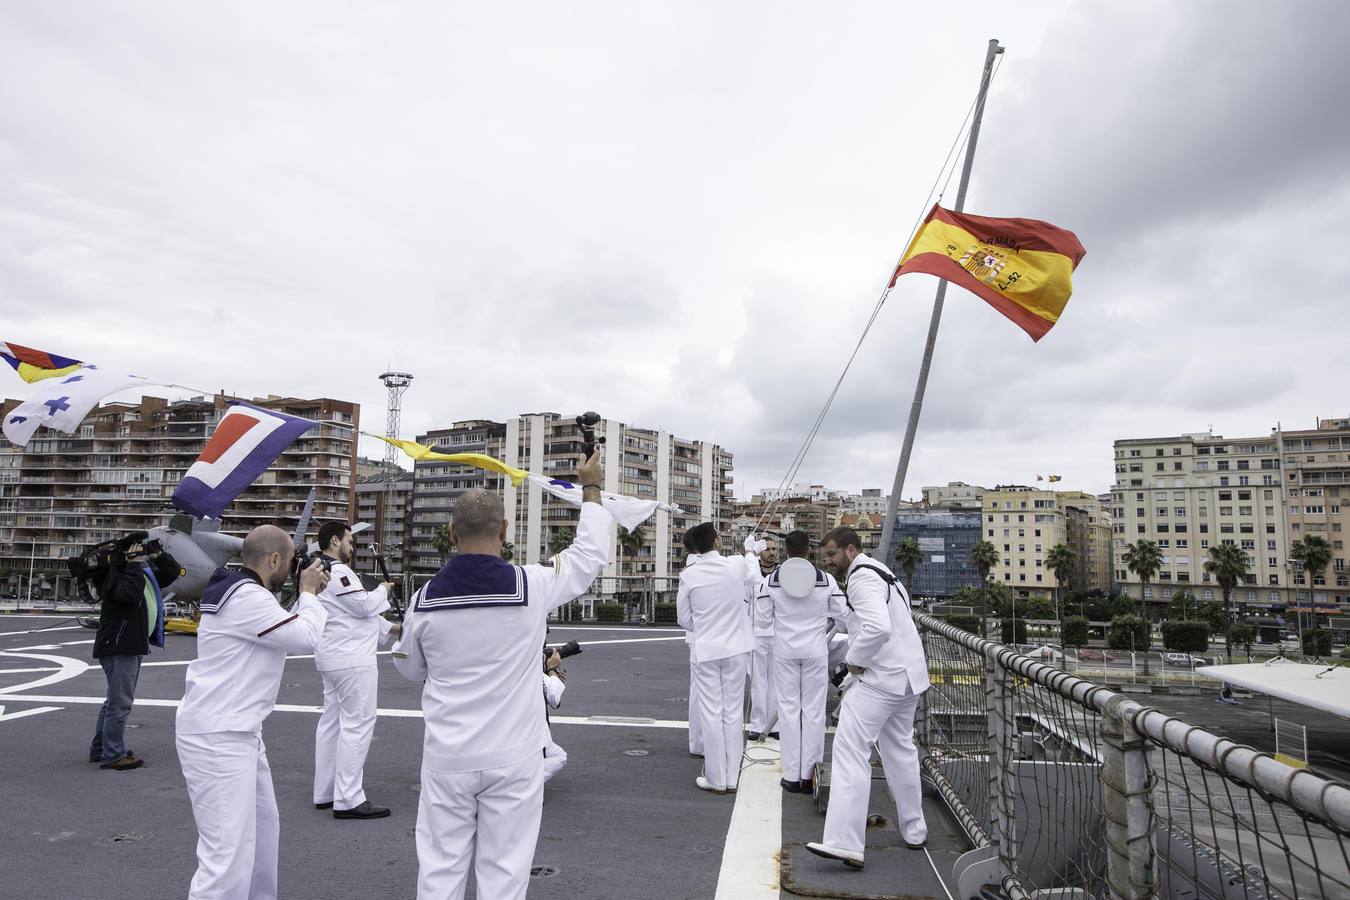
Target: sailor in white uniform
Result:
[[695, 711], [242, 642], [712, 604], [761, 560], [473, 635], [555, 757], [346, 659], [886, 659], [797, 600]]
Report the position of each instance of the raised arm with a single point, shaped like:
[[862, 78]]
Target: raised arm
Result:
[[575, 568]]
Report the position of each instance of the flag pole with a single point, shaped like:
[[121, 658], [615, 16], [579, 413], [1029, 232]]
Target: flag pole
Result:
[[893, 503]]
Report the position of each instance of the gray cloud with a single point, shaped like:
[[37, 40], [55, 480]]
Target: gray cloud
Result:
[[681, 216]]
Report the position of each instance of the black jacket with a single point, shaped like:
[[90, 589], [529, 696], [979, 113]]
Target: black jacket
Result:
[[124, 622]]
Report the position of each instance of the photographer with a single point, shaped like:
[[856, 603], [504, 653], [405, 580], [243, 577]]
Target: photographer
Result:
[[230, 689], [345, 659], [131, 613]]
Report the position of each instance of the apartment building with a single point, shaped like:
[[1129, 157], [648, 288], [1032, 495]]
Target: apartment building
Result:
[[1192, 491], [384, 500], [648, 463], [116, 475], [1023, 523], [954, 495]]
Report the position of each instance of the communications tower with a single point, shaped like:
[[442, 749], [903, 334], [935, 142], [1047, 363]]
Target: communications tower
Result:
[[397, 383]]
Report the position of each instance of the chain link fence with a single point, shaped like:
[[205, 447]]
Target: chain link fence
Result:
[[1066, 786]]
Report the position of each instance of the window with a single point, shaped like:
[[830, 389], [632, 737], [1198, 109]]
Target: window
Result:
[[1160, 467], [1225, 495], [1272, 562], [1179, 512], [1140, 512], [991, 532], [1176, 467], [1176, 451], [1163, 543], [1162, 512], [1182, 543]]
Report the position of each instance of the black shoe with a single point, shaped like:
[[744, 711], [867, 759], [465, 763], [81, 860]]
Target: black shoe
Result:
[[792, 787], [123, 763], [366, 810], [755, 736], [328, 805], [774, 735]]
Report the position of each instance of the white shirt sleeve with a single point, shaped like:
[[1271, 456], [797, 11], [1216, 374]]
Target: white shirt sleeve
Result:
[[407, 651], [345, 588], [258, 616], [575, 568], [683, 612], [836, 606], [867, 593], [553, 690]]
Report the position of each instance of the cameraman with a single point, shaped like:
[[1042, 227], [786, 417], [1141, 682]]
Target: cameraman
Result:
[[131, 612]]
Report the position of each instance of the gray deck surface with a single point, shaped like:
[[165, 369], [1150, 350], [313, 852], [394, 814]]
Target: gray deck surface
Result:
[[616, 824]]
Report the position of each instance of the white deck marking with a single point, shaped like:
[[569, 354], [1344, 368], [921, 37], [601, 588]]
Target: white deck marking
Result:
[[39, 630], [7, 717], [67, 668], [628, 628], [755, 837]]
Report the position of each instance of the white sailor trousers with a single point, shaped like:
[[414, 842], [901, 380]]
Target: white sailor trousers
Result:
[[721, 695], [555, 757], [695, 712], [230, 785], [496, 811], [342, 739], [763, 697], [870, 717], [800, 685]]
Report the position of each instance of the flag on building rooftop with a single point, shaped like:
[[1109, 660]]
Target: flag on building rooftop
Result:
[[629, 512], [247, 441], [35, 365], [62, 403], [1056, 477], [1021, 267]]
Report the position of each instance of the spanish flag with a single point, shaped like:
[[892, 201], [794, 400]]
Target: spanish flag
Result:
[[1021, 267], [34, 365]]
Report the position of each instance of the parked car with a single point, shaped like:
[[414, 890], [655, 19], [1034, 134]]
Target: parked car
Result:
[[1185, 659], [1094, 654]]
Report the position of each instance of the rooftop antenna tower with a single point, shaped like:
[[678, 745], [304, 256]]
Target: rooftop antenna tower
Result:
[[397, 383]]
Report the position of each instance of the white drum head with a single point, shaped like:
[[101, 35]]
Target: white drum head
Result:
[[797, 577]]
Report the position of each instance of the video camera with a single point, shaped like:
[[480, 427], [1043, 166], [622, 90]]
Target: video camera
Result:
[[587, 422], [304, 559], [92, 567], [571, 648]]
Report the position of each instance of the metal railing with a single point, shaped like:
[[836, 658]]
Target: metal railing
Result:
[[1066, 786]]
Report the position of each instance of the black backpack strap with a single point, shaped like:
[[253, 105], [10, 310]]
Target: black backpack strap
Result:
[[887, 577]]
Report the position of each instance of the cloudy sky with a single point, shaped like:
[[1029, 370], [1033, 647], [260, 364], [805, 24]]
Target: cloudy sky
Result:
[[682, 214]]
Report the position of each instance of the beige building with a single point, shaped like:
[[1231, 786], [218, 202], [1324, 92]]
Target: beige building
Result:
[[954, 495], [1193, 491], [1023, 523], [1316, 479]]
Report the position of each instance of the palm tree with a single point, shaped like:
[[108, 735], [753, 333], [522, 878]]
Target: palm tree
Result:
[[908, 555], [983, 556], [1143, 559], [508, 551], [1314, 553], [1060, 560], [441, 541], [1228, 564], [630, 542], [560, 541]]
